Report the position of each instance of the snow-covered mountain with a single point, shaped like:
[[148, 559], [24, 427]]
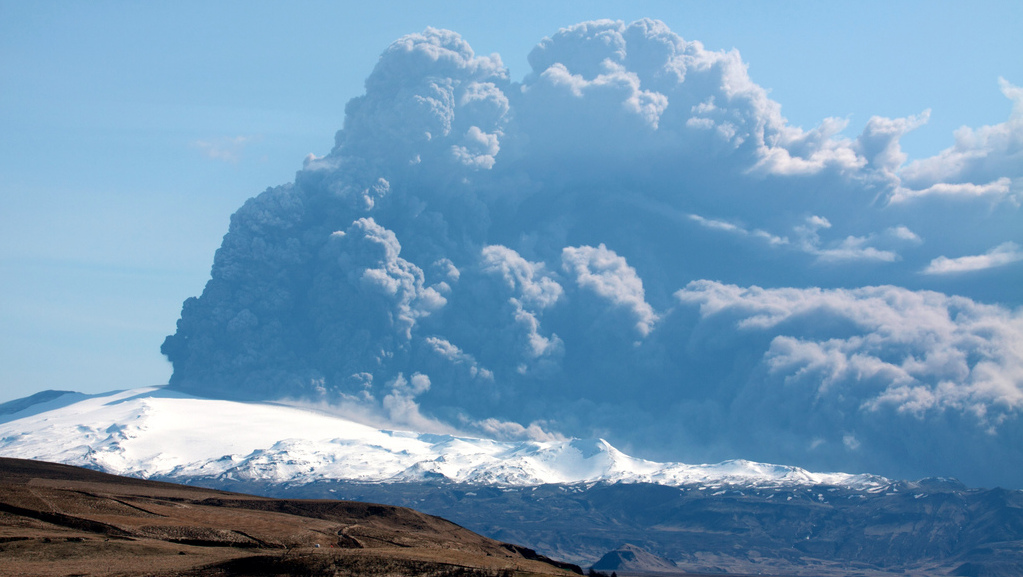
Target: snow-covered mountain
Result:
[[156, 432]]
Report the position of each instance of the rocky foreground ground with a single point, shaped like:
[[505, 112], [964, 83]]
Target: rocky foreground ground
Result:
[[61, 520]]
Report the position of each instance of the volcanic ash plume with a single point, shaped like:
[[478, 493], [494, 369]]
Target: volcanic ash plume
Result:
[[632, 242]]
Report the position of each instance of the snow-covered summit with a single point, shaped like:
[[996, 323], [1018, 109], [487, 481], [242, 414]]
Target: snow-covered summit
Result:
[[155, 432]]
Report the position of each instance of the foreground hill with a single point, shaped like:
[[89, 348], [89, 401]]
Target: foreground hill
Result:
[[62, 520]]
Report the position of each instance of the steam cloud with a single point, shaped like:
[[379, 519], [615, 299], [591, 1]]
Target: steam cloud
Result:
[[584, 252]]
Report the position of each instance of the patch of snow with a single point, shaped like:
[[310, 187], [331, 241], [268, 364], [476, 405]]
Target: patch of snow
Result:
[[155, 432]]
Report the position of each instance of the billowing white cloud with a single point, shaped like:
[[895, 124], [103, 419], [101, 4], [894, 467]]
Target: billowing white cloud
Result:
[[981, 156], [606, 274], [532, 290], [918, 351], [871, 361], [459, 232], [457, 356], [430, 101], [506, 430], [528, 280], [478, 149], [400, 404], [733, 228], [798, 153], [994, 191], [851, 248], [1001, 255], [879, 141], [369, 255]]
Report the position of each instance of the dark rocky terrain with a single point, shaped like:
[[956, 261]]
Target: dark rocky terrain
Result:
[[930, 527], [62, 520], [632, 560]]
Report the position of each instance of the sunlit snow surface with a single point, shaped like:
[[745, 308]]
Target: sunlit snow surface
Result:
[[154, 432]]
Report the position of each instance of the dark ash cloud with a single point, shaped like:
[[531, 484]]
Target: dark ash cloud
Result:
[[632, 242]]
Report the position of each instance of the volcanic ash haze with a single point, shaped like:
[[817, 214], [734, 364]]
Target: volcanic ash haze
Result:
[[633, 243]]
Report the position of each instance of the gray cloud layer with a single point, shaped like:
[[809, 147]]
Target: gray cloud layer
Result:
[[583, 253]]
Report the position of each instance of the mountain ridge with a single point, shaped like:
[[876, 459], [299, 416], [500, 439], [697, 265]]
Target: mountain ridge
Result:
[[156, 432]]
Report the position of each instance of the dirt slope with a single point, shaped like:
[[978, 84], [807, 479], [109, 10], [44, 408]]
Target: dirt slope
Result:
[[61, 520]]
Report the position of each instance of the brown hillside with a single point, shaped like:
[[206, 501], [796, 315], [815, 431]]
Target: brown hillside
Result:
[[61, 520]]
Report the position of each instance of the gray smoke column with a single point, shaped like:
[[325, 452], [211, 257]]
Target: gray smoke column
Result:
[[632, 242]]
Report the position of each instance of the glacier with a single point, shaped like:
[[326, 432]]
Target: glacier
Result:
[[156, 432]]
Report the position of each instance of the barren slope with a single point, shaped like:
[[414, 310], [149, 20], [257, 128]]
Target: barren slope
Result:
[[62, 520]]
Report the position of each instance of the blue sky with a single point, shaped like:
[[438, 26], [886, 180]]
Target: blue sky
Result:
[[129, 132]]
